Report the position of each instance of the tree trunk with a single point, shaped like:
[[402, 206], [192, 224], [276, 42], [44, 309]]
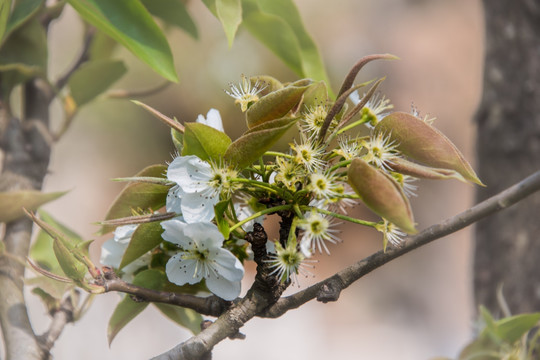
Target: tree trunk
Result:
[[508, 243]]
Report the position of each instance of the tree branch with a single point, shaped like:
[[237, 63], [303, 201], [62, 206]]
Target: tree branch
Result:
[[61, 316], [211, 306], [329, 289]]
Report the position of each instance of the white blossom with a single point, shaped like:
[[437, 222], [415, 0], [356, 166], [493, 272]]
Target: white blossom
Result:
[[201, 256], [213, 119]]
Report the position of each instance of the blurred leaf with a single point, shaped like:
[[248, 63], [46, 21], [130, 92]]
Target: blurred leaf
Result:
[[315, 95], [5, 8], [144, 238], [312, 65], [23, 55], [187, 318], [274, 105], [42, 249], [138, 195], [102, 46], [277, 35], [13, 202], [128, 309], [93, 78], [512, 328], [382, 194], [252, 145], [23, 10], [173, 12], [129, 23], [221, 220], [48, 300], [229, 12], [52, 287], [204, 141]]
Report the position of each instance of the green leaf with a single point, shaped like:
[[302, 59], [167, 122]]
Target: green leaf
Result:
[[42, 252], [102, 46], [93, 78], [22, 12], [229, 12], [274, 105], [72, 267], [223, 225], [129, 23], [50, 302], [252, 145], [187, 318], [12, 203], [204, 141], [5, 8], [277, 35], [138, 195], [311, 61], [512, 328], [144, 238], [173, 12], [315, 95], [23, 55], [127, 309]]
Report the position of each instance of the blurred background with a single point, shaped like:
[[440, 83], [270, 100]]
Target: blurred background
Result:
[[417, 307]]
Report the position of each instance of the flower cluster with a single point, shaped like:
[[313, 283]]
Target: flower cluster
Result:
[[343, 154]]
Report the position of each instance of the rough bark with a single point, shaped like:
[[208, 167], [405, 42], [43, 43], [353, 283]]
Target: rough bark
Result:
[[508, 243]]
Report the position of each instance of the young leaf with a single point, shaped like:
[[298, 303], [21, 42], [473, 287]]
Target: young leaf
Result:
[[93, 78], [42, 252], [173, 12], [187, 318], [229, 12], [129, 23], [381, 194], [512, 328], [12, 203], [128, 309], [178, 140], [144, 238], [138, 195], [253, 144], [274, 105], [221, 219], [422, 142], [204, 141]]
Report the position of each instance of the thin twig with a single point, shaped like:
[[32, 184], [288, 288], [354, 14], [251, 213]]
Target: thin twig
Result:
[[60, 318], [83, 56], [347, 276]]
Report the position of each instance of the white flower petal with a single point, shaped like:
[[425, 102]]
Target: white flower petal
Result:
[[112, 252], [198, 207], [122, 234], [213, 119], [182, 272], [190, 173], [174, 232], [227, 265], [174, 201], [206, 234], [225, 289]]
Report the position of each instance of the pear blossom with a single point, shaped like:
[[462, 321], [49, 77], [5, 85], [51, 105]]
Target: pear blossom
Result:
[[213, 119], [376, 108], [288, 262], [198, 187], [245, 93], [201, 256], [112, 252], [317, 231]]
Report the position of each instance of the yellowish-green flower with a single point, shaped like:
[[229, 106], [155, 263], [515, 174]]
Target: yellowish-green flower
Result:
[[380, 151]]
